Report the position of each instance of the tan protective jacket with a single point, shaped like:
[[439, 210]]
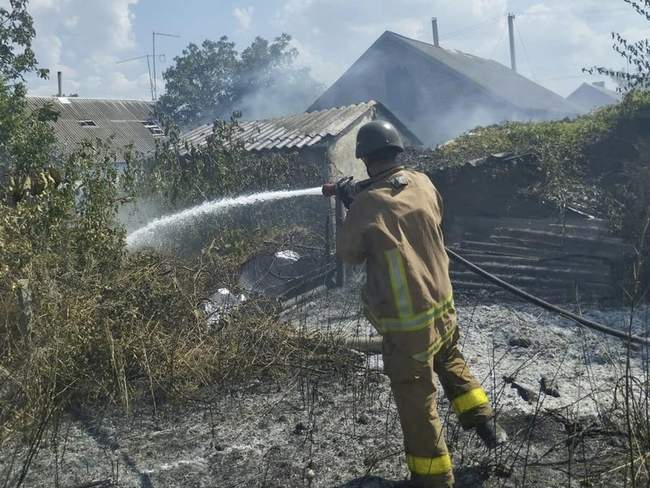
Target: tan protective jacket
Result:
[[394, 225]]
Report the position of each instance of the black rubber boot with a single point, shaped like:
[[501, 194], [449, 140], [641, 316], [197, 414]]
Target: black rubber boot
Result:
[[422, 481], [491, 433]]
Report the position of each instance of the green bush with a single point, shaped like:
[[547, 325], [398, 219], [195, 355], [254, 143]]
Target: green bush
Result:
[[601, 157]]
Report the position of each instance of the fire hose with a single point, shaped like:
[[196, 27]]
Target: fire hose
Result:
[[346, 190], [544, 304]]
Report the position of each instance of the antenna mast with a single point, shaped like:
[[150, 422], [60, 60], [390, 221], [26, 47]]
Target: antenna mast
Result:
[[148, 56], [155, 76]]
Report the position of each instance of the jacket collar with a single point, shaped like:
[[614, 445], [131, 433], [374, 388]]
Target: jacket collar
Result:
[[385, 170]]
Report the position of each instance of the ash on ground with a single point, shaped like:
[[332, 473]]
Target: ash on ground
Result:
[[558, 389]]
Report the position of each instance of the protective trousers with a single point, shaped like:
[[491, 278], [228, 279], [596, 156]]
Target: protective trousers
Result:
[[414, 389]]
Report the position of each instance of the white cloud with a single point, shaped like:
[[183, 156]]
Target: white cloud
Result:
[[555, 38], [483, 8], [85, 39], [49, 49], [244, 17]]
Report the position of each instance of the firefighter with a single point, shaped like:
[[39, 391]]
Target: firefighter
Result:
[[34, 184], [394, 226]]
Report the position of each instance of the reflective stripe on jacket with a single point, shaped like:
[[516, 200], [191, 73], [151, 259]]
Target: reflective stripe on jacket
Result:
[[394, 225]]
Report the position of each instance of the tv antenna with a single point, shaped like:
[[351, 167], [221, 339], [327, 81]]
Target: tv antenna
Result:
[[149, 57], [154, 34]]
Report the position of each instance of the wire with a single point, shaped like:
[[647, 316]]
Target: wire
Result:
[[585, 75], [523, 45], [458, 33], [568, 10], [503, 33]]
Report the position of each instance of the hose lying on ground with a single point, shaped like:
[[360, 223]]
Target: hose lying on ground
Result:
[[544, 304]]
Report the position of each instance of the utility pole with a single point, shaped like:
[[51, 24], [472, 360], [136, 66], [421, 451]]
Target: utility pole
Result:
[[434, 26], [511, 31], [155, 77], [153, 42]]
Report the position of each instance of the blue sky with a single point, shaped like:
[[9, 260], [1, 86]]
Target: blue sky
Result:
[[86, 38]]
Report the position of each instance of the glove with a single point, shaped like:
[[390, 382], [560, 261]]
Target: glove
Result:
[[346, 191]]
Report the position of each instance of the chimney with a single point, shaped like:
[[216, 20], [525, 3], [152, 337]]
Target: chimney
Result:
[[511, 31], [59, 77], [599, 84], [434, 25]]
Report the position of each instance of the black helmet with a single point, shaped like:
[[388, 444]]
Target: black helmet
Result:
[[377, 135]]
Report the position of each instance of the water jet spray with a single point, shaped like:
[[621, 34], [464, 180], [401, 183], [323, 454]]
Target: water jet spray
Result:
[[149, 233]]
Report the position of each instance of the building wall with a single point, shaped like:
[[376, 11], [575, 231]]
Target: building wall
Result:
[[317, 158], [342, 153]]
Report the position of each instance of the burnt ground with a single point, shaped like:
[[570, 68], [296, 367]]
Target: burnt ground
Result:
[[342, 424]]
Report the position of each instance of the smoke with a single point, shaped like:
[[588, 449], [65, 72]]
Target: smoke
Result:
[[457, 121], [279, 93]]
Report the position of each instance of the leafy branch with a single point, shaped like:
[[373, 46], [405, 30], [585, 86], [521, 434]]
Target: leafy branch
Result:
[[635, 53]]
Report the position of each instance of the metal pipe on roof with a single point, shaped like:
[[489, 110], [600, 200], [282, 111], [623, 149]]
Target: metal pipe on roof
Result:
[[436, 37], [511, 31], [59, 77]]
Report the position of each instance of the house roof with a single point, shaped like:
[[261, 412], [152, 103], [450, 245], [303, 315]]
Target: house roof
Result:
[[593, 95], [125, 121], [299, 130], [493, 77]]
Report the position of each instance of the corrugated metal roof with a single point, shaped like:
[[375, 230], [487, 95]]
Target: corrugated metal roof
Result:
[[493, 77], [293, 131], [125, 122]]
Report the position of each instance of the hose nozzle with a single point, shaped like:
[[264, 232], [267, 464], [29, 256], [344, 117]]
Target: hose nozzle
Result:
[[345, 190], [329, 189]]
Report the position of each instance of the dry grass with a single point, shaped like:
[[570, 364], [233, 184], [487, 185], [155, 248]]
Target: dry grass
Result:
[[143, 334]]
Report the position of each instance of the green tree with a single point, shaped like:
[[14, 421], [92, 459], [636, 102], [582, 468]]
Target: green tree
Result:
[[200, 83], [635, 53], [59, 210], [25, 142], [214, 80], [16, 34]]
